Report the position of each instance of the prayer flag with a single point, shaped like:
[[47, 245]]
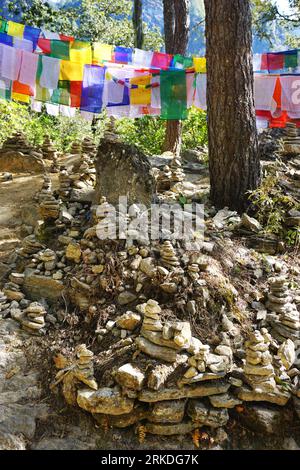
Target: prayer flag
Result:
[[16, 29], [161, 60], [199, 64], [70, 71], [92, 89], [101, 53], [81, 52], [173, 94], [140, 95], [123, 54], [60, 49]]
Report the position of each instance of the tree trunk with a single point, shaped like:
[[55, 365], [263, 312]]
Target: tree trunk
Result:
[[233, 149], [137, 20], [176, 26]]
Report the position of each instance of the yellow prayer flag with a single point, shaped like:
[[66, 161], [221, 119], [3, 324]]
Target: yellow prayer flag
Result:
[[15, 29], [81, 52], [141, 95], [71, 71], [200, 64], [20, 97], [101, 52]]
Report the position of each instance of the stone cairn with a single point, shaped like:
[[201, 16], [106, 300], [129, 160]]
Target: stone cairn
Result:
[[33, 319], [46, 189], [75, 148], [258, 367], [88, 147], [164, 179], [47, 260], [284, 317], [13, 289], [81, 369], [49, 152], [50, 207], [291, 140], [168, 256], [170, 175], [178, 175], [18, 143], [65, 183], [30, 246]]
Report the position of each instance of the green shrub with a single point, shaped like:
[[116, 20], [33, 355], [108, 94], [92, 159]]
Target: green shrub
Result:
[[148, 133], [61, 130]]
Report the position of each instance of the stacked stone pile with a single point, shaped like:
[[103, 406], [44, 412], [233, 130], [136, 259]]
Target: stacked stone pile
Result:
[[46, 190], [259, 372], [30, 246], [65, 183], [18, 143], [75, 148], [49, 152], [50, 207], [33, 320], [168, 256], [284, 317], [89, 148]]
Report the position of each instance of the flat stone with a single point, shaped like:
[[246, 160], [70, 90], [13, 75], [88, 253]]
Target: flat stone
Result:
[[125, 298], [157, 338], [123, 421], [203, 390], [202, 377], [128, 321], [158, 352], [130, 376], [170, 429], [207, 416], [224, 401], [105, 400], [37, 287], [168, 412], [278, 398]]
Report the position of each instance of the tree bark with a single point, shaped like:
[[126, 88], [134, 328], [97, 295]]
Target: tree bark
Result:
[[176, 27], [233, 148], [137, 20]]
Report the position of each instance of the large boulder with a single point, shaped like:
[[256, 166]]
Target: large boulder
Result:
[[122, 170], [17, 162]]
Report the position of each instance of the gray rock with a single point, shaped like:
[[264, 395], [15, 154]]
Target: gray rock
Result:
[[262, 419], [168, 412], [105, 400], [207, 416], [193, 391]]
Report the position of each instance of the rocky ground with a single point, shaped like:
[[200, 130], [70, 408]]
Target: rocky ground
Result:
[[109, 346]]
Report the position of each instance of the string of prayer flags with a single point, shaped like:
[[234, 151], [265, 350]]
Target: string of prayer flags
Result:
[[173, 94]]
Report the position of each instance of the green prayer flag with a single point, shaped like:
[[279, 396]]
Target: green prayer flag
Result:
[[42, 94], [173, 94], [3, 26], [62, 94], [5, 93], [185, 62], [291, 60], [60, 49]]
